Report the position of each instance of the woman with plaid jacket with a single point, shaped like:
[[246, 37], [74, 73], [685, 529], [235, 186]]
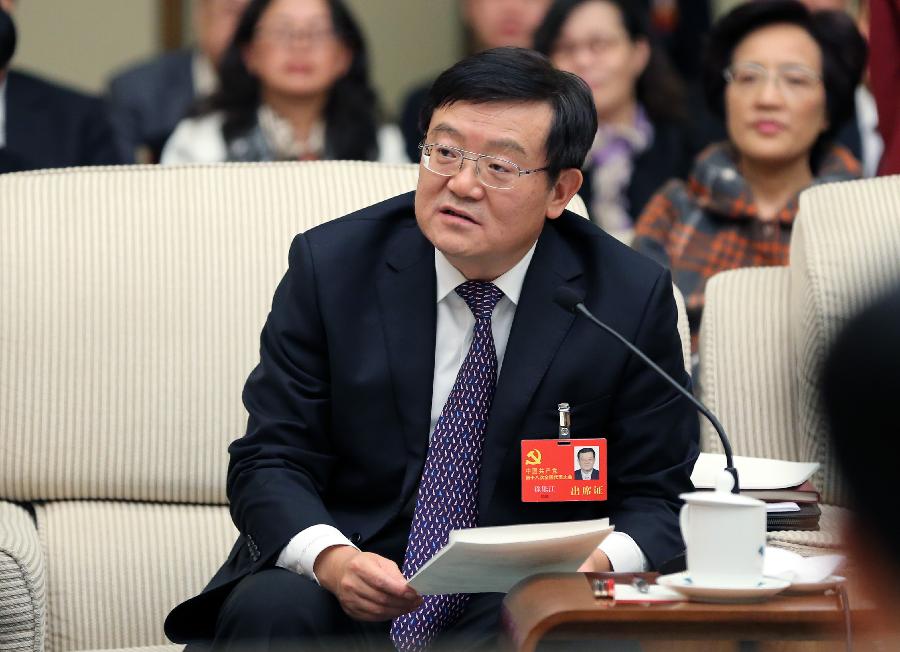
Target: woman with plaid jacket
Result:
[[783, 79]]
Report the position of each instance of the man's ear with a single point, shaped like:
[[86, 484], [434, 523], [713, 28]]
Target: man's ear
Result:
[[563, 190]]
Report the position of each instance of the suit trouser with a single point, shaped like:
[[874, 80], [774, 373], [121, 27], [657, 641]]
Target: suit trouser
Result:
[[277, 609]]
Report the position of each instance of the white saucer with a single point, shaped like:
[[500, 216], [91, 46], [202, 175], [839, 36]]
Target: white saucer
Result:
[[681, 582], [830, 582]]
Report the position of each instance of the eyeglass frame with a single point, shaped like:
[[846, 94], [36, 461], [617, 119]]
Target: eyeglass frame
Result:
[[728, 73], [475, 157], [286, 35]]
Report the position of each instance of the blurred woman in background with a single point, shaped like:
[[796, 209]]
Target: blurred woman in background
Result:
[[783, 79], [643, 140], [294, 85]]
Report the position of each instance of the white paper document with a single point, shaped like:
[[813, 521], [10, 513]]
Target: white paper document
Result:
[[778, 508], [489, 559], [753, 472]]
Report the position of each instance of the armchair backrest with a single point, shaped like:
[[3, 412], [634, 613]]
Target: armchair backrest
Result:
[[766, 332], [131, 301], [845, 251]]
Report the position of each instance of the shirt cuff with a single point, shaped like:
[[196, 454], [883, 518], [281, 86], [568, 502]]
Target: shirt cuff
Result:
[[624, 554], [301, 552]]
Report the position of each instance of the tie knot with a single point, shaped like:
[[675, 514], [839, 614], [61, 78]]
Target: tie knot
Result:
[[480, 296]]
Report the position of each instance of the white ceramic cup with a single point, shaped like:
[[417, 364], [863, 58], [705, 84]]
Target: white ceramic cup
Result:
[[725, 536]]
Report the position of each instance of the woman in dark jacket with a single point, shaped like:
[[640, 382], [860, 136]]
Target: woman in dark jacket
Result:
[[643, 140]]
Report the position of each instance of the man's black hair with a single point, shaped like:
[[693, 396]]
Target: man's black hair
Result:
[[7, 38], [512, 75], [844, 53], [586, 449]]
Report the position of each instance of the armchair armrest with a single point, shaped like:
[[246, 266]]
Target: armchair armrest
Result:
[[22, 597]]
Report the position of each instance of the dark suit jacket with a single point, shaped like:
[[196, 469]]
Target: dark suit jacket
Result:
[[346, 370], [149, 99], [595, 474], [49, 126]]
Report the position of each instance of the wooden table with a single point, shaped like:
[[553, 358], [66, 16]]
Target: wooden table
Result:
[[562, 605]]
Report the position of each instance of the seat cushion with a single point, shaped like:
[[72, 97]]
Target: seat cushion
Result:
[[114, 570]]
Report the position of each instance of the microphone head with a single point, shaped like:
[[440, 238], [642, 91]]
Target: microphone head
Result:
[[567, 298]]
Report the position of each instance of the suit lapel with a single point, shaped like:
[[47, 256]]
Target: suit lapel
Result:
[[407, 299], [537, 332]]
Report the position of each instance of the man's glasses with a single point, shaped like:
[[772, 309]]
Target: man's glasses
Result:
[[794, 80], [491, 171]]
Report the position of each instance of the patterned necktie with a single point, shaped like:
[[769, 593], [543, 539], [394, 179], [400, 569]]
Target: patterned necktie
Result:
[[448, 492]]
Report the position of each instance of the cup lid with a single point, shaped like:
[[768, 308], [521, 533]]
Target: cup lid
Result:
[[719, 498]]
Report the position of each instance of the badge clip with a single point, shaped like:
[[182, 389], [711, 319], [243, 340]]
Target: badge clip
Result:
[[565, 422]]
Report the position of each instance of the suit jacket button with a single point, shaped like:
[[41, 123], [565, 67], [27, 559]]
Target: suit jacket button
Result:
[[355, 538]]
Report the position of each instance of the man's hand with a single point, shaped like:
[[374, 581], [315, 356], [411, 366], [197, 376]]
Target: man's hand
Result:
[[598, 562], [369, 587]]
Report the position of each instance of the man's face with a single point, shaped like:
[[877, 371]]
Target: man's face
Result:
[[586, 461], [215, 22], [484, 231], [7, 5], [498, 23]]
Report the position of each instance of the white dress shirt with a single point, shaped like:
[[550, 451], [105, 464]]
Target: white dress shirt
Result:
[[455, 330]]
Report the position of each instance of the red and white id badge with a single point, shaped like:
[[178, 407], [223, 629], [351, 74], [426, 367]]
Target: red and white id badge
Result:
[[556, 472]]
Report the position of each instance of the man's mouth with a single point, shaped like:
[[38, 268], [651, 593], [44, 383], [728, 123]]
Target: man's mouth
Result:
[[447, 210]]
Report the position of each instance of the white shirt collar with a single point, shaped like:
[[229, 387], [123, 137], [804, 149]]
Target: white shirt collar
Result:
[[203, 74], [510, 283], [3, 109]]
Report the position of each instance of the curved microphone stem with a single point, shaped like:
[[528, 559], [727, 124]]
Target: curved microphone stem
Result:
[[729, 463]]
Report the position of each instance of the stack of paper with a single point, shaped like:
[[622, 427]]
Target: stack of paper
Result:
[[494, 559], [772, 481]]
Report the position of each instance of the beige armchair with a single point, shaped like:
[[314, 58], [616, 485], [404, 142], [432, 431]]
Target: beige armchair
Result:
[[766, 332], [131, 301]]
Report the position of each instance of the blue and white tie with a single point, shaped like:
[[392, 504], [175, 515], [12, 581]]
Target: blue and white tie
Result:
[[448, 492]]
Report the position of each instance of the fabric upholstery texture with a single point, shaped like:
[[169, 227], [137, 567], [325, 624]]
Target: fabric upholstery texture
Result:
[[130, 317], [746, 363], [684, 329], [131, 301], [22, 610], [766, 333], [115, 569], [845, 252]]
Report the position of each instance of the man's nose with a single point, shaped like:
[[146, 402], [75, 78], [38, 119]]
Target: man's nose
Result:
[[465, 183]]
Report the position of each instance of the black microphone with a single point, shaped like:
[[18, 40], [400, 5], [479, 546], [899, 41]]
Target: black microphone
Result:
[[569, 299]]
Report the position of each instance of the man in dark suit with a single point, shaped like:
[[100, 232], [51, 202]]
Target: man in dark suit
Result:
[[421, 334], [43, 125], [586, 471], [149, 99]]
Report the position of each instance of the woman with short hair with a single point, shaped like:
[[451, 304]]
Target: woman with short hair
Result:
[[783, 79]]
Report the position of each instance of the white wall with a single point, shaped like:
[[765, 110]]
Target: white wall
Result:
[[80, 42]]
